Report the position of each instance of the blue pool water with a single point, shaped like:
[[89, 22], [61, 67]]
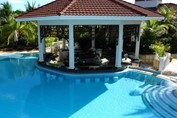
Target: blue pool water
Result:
[[26, 92]]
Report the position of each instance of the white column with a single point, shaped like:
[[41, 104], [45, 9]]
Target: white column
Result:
[[93, 37], [41, 46], [137, 47], [71, 47], [119, 47]]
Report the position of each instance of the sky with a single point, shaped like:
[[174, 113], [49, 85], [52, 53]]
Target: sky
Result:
[[163, 1], [20, 4]]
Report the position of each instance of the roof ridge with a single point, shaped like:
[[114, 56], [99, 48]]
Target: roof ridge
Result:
[[67, 7], [35, 9], [123, 2]]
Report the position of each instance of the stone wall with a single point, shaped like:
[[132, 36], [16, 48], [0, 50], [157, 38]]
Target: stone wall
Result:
[[174, 56], [147, 58]]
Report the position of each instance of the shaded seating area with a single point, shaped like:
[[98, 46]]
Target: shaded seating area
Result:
[[90, 59], [91, 49]]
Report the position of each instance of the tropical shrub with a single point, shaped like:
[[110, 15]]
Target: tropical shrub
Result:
[[14, 33], [160, 48], [164, 31], [49, 41]]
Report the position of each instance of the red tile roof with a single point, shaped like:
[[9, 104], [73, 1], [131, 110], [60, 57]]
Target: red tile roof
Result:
[[89, 8]]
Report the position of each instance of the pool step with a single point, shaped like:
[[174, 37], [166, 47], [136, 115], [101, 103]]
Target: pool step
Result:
[[89, 79], [50, 76], [161, 100], [93, 80], [169, 98]]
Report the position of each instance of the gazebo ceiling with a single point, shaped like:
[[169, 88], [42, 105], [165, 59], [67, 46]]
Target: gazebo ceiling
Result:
[[89, 8]]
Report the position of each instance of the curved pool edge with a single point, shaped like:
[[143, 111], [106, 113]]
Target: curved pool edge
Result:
[[152, 73], [119, 72], [63, 71], [77, 73]]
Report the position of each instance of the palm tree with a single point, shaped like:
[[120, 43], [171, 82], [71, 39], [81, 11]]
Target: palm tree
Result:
[[30, 6], [169, 14], [170, 37], [17, 31], [161, 31], [20, 30], [5, 13], [13, 30], [32, 26], [170, 18], [5, 17], [31, 32]]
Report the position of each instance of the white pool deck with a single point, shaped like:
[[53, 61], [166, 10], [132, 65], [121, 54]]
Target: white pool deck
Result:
[[14, 52]]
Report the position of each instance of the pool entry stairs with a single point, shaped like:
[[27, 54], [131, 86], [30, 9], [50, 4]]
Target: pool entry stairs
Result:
[[162, 100]]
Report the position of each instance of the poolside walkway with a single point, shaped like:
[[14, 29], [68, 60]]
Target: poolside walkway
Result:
[[8, 52]]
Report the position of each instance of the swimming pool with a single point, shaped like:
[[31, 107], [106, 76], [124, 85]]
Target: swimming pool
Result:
[[27, 92]]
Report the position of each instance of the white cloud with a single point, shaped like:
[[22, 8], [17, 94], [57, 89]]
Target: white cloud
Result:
[[169, 1], [131, 1], [163, 1]]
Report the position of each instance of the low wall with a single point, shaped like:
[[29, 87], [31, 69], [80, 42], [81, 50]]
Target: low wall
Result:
[[174, 56], [149, 59]]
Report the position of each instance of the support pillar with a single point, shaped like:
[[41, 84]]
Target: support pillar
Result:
[[71, 47], [41, 46], [119, 47], [137, 48]]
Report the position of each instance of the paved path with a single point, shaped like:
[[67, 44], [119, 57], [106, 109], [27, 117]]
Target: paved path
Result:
[[8, 52]]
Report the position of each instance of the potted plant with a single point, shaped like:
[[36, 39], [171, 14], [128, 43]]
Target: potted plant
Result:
[[161, 56]]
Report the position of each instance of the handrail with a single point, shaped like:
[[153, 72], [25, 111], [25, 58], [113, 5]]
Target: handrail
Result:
[[144, 69]]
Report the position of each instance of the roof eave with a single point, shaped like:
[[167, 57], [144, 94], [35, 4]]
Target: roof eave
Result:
[[129, 18]]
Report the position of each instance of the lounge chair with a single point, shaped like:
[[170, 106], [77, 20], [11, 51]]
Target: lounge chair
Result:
[[126, 60]]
